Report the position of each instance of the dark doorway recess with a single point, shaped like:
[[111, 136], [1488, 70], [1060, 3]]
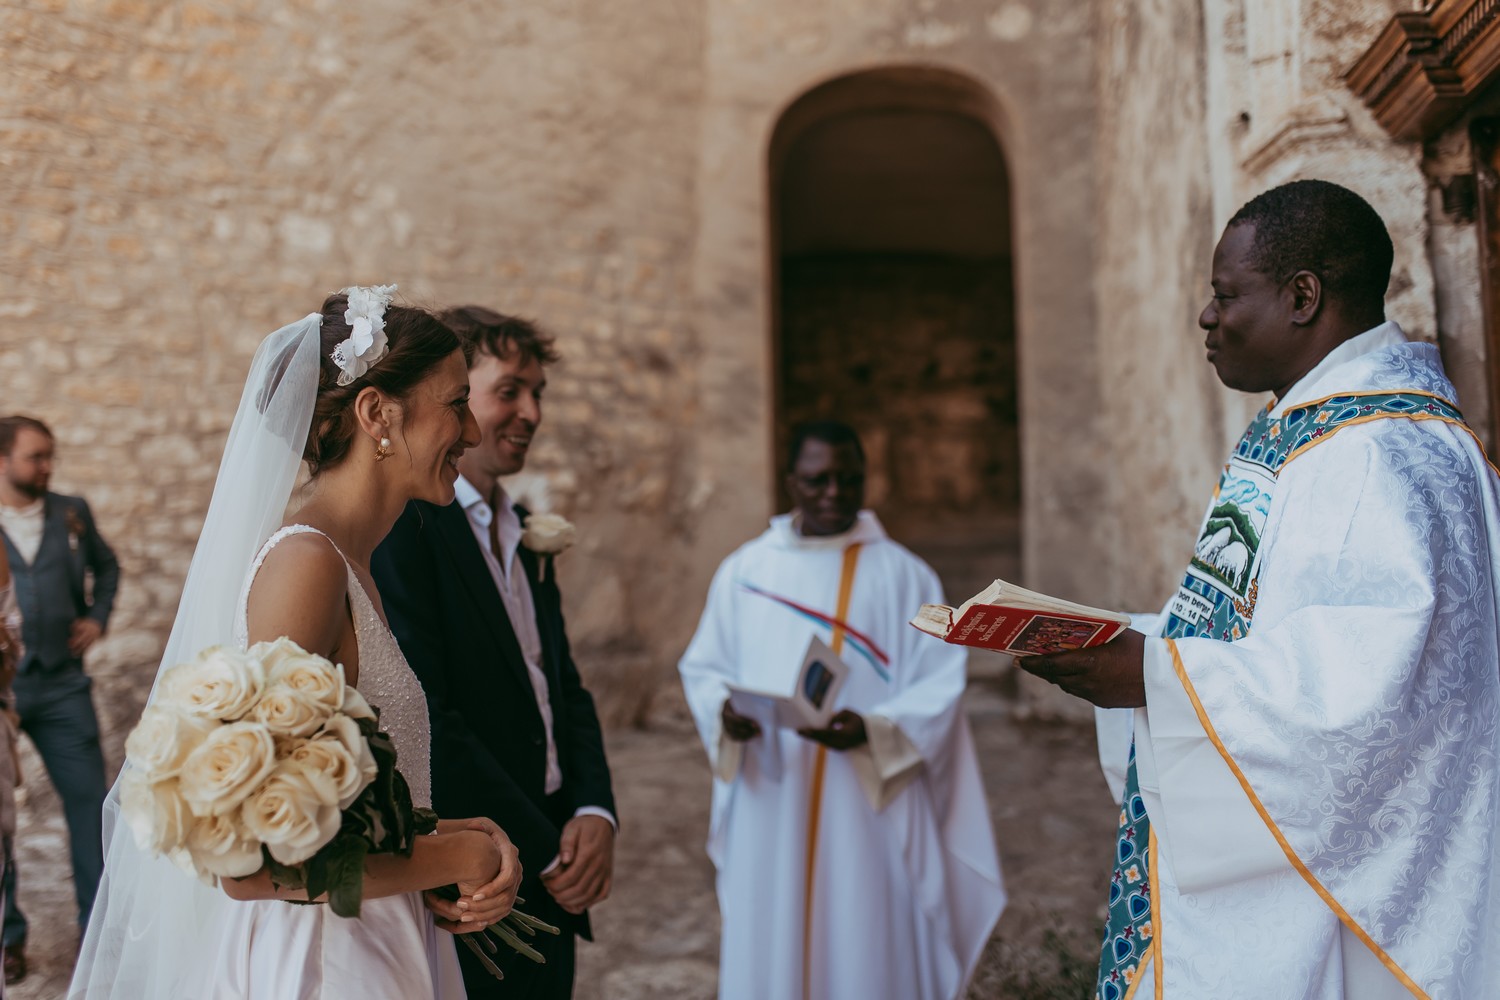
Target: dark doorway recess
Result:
[[896, 307]]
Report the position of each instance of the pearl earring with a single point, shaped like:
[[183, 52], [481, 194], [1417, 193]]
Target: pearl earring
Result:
[[383, 449]]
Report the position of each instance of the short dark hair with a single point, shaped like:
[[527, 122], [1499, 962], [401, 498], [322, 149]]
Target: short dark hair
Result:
[[486, 331], [417, 342], [13, 425], [830, 432], [1324, 228]]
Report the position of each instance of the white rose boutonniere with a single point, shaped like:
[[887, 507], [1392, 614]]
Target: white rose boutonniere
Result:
[[547, 535]]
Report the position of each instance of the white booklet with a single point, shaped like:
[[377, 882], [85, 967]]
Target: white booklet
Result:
[[807, 703]]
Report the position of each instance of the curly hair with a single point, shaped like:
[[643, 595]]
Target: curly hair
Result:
[[484, 331], [1324, 228]]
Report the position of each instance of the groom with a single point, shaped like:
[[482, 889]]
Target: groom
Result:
[[479, 617]]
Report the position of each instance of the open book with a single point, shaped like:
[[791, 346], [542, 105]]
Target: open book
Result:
[[806, 702], [1021, 622]]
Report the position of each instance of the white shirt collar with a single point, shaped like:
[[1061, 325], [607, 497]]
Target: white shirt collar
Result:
[[33, 509], [867, 528], [477, 510], [466, 495], [1387, 334]]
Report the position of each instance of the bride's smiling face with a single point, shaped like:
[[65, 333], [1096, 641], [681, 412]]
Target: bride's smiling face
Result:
[[436, 428]]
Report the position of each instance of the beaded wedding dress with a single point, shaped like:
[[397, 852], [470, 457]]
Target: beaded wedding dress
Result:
[[272, 950]]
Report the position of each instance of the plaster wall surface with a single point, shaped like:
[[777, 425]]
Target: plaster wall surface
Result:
[[1027, 66]]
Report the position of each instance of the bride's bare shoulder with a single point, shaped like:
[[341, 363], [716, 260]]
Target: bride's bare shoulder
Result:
[[300, 592]]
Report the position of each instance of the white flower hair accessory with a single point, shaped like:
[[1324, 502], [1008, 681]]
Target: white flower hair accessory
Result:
[[367, 342]]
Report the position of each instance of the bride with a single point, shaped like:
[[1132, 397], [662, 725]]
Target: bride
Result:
[[374, 398]]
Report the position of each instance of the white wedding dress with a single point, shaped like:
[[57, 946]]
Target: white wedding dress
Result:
[[272, 950]]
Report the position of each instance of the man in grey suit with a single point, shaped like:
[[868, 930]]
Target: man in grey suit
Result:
[[65, 580]]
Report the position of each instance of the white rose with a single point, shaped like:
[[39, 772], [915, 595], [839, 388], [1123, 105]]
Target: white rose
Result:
[[355, 705], [219, 683], [548, 534], [311, 676], [290, 814], [155, 811], [161, 741], [273, 653], [226, 767], [329, 756], [287, 712], [221, 846], [345, 731]]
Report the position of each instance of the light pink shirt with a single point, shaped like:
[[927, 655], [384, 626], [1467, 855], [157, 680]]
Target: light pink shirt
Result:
[[515, 594]]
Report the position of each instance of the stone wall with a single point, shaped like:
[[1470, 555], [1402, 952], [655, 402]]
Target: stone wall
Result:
[[181, 178]]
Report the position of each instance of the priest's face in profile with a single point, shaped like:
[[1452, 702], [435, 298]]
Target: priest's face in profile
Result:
[[1255, 340], [827, 487]]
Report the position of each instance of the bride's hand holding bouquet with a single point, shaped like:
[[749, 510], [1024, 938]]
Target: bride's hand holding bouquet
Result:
[[263, 771]]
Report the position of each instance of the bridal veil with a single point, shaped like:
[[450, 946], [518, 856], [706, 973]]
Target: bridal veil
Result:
[[152, 923]]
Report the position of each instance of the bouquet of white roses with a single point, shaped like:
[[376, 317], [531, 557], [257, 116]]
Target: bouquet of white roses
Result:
[[265, 757]]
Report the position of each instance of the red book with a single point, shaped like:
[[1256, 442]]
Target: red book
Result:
[[1021, 622]]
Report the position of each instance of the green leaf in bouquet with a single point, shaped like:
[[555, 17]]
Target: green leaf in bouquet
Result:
[[346, 876], [386, 798], [284, 876], [404, 821], [424, 821], [366, 817], [317, 869]]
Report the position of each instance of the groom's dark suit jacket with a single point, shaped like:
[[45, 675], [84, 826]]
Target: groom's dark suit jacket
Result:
[[489, 755]]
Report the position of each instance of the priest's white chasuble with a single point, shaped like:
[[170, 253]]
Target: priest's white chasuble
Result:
[[869, 874], [1312, 807]]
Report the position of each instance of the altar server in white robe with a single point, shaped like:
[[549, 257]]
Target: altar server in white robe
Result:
[[856, 862], [1310, 808]]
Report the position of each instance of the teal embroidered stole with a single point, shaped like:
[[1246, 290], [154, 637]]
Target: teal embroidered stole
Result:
[[1217, 601]]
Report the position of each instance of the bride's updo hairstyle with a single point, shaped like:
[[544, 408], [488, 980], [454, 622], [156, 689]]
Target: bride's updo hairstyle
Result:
[[416, 344]]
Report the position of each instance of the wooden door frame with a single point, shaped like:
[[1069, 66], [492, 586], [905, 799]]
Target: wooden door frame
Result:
[[1484, 136]]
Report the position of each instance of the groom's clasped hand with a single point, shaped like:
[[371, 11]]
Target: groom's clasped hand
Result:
[[585, 864]]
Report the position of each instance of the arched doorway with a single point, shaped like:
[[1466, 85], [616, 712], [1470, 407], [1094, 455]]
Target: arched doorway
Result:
[[895, 306]]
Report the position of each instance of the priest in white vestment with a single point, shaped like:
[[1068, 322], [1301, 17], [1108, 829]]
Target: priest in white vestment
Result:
[[855, 862], [1310, 776]]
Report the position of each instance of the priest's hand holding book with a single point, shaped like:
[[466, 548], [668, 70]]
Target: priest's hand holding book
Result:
[[845, 731], [1088, 652], [1110, 676], [740, 728]]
